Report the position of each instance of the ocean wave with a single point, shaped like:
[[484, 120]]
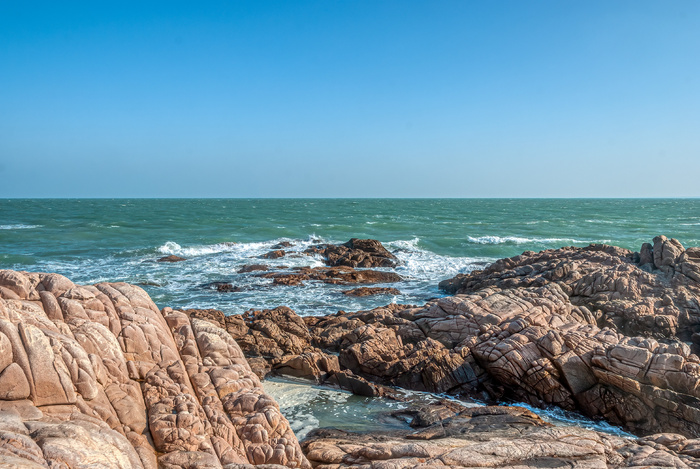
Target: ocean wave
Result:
[[521, 240], [19, 226], [173, 248]]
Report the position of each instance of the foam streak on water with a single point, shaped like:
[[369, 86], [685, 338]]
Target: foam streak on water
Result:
[[119, 240]]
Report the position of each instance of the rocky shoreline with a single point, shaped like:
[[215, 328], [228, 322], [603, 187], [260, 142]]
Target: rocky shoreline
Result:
[[97, 376]]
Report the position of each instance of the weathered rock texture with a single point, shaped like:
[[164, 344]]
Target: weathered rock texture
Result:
[[496, 437], [652, 293], [334, 275], [355, 253], [554, 328], [96, 376], [369, 291]]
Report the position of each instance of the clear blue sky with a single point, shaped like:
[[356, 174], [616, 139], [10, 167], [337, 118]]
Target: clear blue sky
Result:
[[355, 98]]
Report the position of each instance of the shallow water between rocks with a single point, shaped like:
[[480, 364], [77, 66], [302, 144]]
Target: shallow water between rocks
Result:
[[308, 406]]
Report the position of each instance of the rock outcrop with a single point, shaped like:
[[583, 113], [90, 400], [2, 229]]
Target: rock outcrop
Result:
[[355, 253], [96, 376], [518, 331], [651, 293], [370, 291], [333, 275], [496, 437]]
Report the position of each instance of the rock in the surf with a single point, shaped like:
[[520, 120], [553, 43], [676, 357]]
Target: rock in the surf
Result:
[[172, 258], [371, 291], [334, 275], [365, 253]]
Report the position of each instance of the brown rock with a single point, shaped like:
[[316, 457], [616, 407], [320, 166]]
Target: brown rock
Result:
[[253, 268], [356, 253], [122, 384], [333, 275], [274, 254], [172, 258], [369, 291]]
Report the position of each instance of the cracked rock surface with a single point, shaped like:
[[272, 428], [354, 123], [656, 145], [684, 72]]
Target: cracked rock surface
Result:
[[96, 376]]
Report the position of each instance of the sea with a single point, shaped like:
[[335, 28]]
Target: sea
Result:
[[113, 240], [97, 240]]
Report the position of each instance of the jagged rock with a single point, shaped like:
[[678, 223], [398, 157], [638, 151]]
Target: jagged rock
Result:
[[369, 291], [274, 254], [333, 275], [253, 268], [97, 376], [355, 253], [655, 293]]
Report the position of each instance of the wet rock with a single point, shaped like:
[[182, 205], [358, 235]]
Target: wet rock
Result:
[[222, 287], [355, 253], [333, 275], [253, 268], [172, 258], [370, 291], [274, 254], [282, 245]]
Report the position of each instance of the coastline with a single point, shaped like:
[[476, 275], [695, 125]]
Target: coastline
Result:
[[524, 328]]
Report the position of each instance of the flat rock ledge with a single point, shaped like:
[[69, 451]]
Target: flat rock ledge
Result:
[[496, 437], [96, 376]]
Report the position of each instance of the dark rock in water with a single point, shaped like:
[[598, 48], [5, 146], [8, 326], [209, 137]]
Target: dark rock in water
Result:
[[283, 244], [369, 291], [172, 258], [355, 253], [274, 254], [253, 268], [333, 275], [97, 376], [223, 287]]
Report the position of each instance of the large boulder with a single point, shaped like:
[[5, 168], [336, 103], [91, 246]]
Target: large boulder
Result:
[[97, 376]]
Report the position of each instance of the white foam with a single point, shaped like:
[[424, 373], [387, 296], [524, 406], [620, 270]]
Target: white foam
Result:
[[564, 418], [426, 266], [522, 240], [173, 248], [19, 226]]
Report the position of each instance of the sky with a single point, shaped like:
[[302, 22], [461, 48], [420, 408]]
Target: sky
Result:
[[350, 98]]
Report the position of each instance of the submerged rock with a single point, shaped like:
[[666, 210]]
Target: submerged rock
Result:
[[172, 258]]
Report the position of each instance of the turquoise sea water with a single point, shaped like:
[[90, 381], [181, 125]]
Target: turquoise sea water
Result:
[[119, 240]]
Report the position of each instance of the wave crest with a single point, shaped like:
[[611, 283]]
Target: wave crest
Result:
[[521, 240]]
